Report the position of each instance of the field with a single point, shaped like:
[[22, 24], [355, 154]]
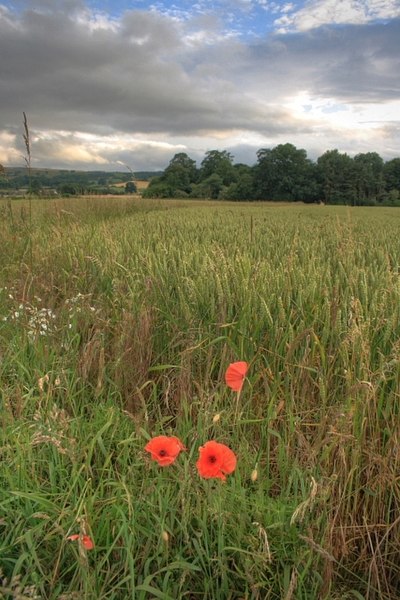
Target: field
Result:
[[118, 320]]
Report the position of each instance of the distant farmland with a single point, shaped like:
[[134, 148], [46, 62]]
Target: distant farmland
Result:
[[141, 184]]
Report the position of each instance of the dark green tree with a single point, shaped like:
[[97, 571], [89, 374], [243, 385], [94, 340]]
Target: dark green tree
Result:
[[243, 186], [211, 188], [217, 162], [130, 187], [391, 173], [68, 189], [284, 173], [178, 177], [369, 178], [36, 187], [335, 173]]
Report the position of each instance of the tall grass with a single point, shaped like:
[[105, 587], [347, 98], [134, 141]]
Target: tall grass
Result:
[[121, 328]]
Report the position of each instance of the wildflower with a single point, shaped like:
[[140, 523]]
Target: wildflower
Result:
[[164, 449], [216, 460], [85, 540], [235, 374]]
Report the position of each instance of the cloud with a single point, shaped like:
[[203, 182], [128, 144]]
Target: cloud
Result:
[[322, 12], [8, 152], [139, 87], [350, 63]]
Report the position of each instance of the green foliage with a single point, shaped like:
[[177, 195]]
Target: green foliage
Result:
[[130, 187], [159, 189], [369, 180], [210, 187], [176, 181], [68, 189], [391, 171], [242, 188], [336, 175], [284, 173], [218, 163], [36, 187]]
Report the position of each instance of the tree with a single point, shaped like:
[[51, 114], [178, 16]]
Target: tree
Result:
[[243, 186], [369, 180], [336, 176], [284, 173], [212, 187], [158, 189], [219, 163], [36, 187], [183, 161], [130, 187], [68, 189], [391, 172], [180, 174]]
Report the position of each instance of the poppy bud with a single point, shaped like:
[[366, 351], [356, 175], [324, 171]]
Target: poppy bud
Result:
[[165, 536], [216, 418], [254, 475]]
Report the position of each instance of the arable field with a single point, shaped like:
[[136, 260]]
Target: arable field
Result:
[[118, 320]]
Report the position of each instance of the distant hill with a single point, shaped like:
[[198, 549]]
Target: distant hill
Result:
[[16, 178]]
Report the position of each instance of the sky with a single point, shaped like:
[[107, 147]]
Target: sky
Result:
[[127, 84]]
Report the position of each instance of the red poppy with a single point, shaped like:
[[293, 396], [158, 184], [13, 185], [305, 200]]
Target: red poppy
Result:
[[85, 540], [235, 374], [164, 449], [216, 460]]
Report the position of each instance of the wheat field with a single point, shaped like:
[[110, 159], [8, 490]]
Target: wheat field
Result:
[[118, 319]]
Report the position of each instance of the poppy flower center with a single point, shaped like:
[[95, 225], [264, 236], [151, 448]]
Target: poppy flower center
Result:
[[212, 459], [162, 453]]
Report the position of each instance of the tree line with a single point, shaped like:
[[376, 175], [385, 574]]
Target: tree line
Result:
[[283, 173]]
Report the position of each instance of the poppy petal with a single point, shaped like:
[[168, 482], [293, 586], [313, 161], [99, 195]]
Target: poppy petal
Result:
[[235, 374], [86, 540], [229, 461]]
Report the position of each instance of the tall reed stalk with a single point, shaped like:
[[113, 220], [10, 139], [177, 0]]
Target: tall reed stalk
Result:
[[28, 162]]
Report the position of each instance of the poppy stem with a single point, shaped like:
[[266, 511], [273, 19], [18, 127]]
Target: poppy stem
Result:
[[237, 406]]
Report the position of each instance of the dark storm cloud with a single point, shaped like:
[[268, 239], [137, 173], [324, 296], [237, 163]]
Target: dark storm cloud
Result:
[[139, 76], [73, 71], [67, 75]]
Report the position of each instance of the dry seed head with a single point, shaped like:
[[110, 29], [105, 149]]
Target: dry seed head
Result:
[[165, 536], [254, 475], [42, 381], [306, 505], [264, 540], [318, 548]]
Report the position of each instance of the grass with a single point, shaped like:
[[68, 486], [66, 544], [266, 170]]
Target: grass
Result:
[[118, 319]]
